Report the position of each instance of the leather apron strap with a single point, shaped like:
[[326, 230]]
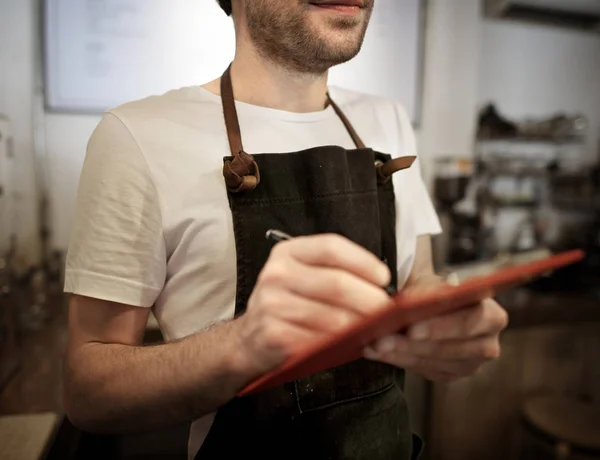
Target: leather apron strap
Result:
[[241, 172], [353, 134]]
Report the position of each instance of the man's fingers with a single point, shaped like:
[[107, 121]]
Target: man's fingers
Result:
[[475, 349], [306, 313], [397, 350], [331, 286], [282, 338], [481, 348], [339, 288], [451, 369], [335, 251], [484, 319], [446, 372]]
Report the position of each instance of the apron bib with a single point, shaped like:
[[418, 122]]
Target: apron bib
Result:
[[356, 411]]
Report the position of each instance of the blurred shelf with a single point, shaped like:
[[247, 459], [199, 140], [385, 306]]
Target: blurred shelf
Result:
[[558, 141], [516, 204], [518, 172], [470, 270]]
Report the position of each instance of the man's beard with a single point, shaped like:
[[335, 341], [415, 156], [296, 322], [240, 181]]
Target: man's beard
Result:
[[284, 36]]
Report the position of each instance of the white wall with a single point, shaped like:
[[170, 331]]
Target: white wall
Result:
[[450, 81], [17, 23], [66, 142], [534, 71], [66, 136]]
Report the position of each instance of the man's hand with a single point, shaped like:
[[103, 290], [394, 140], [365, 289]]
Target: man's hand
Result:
[[309, 288], [448, 347]]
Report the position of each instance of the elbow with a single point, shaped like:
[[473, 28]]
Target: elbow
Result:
[[86, 420], [81, 422], [80, 417], [80, 413], [80, 396]]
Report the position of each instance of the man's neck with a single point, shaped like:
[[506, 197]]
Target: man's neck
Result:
[[260, 81]]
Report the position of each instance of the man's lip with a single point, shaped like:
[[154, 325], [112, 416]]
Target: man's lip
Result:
[[358, 3]]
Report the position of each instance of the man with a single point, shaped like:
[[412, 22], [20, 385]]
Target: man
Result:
[[163, 221]]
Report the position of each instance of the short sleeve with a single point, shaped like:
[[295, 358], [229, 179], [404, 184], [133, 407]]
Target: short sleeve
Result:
[[117, 250], [421, 211]]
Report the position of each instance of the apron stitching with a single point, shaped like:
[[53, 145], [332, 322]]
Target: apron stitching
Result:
[[241, 280], [388, 387], [250, 201], [297, 397]]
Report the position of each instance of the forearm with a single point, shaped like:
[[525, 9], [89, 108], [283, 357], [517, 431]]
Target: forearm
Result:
[[423, 272], [119, 388]]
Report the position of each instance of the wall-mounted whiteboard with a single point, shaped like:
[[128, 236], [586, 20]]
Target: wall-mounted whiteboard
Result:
[[102, 53]]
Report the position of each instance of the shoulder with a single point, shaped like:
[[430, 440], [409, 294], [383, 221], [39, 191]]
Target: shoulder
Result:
[[386, 111], [384, 117], [171, 108], [356, 100], [154, 103], [125, 131]]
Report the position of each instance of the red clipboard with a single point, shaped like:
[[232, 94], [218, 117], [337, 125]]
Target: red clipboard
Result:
[[405, 309]]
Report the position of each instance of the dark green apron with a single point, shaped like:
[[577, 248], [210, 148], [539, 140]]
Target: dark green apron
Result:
[[355, 411]]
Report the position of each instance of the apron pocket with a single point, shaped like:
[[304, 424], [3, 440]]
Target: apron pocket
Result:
[[375, 428], [350, 382]]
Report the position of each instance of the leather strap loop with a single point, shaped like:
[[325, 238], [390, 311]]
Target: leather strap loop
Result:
[[241, 173], [385, 170]]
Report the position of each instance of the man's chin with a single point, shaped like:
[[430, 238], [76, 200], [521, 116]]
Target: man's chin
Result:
[[341, 48], [340, 23], [332, 58]]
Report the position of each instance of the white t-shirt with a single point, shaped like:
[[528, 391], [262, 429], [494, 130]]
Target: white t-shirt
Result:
[[153, 225]]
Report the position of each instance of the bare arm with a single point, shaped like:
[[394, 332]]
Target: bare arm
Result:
[[310, 286], [114, 384], [423, 272]]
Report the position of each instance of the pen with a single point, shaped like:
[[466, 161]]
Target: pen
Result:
[[277, 236]]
